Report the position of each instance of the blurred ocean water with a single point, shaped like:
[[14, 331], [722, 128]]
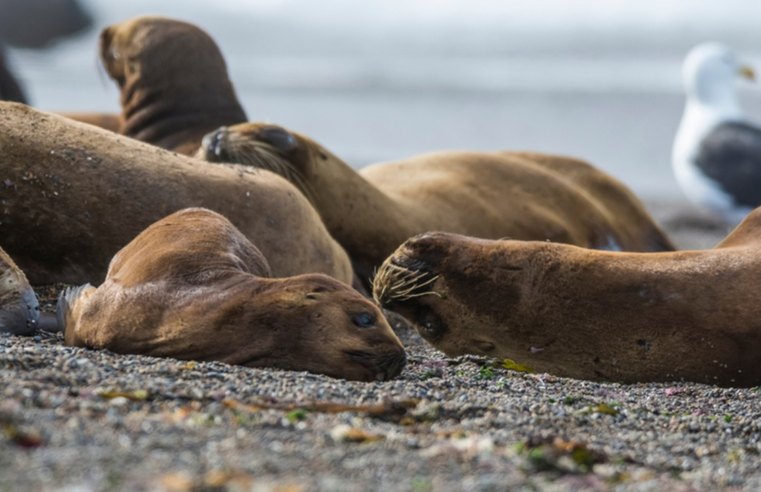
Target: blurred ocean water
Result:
[[383, 79]]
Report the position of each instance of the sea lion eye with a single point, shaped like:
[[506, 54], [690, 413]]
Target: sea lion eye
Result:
[[363, 320], [430, 325], [278, 137]]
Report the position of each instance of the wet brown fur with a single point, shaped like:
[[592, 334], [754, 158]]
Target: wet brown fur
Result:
[[630, 317], [173, 80], [193, 287], [518, 195], [72, 195]]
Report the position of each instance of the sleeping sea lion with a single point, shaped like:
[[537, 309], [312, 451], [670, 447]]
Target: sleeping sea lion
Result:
[[19, 308], [173, 81], [72, 195], [192, 287], [597, 315], [491, 195]]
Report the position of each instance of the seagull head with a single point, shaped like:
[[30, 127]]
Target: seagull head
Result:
[[710, 71]]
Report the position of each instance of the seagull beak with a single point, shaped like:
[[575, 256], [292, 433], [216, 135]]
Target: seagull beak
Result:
[[747, 72]]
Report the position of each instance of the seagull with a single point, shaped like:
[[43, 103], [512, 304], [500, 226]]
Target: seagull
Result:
[[717, 153]]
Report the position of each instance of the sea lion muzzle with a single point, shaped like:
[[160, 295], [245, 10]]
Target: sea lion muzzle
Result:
[[213, 144]]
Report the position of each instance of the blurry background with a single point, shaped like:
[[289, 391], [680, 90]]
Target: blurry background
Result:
[[376, 80]]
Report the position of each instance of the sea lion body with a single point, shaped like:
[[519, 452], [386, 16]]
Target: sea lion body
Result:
[[19, 308], [173, 81], [597, 315], [491, 195], [72, 195], [193, 287]]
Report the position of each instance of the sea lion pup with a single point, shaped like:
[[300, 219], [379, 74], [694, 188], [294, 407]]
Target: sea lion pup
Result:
[[490, 195], [192, 287], [173, 81], [597, 315], [19, 308], [72, 195]]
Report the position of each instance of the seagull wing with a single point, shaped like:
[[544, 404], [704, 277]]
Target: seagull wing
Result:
[[730, 155]]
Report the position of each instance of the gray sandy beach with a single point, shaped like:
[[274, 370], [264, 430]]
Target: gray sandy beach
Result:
[[373, 83]]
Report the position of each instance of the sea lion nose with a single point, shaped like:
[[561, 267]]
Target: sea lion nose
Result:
[[214, 143], [395, 364], [424, 244]]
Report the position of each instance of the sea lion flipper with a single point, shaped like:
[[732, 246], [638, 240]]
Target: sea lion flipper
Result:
[[65, 307]]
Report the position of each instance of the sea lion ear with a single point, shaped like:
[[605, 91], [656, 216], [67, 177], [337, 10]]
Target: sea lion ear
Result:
[[278, 137], [104, 41]]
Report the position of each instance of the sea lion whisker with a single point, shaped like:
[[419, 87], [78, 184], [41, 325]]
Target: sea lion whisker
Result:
[[403, 281], [404, 289], [287, 169], [265, 156], [414, 287], [420, 294], [413, 277]]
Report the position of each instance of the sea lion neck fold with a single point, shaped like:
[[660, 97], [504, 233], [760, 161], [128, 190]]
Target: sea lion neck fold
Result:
[[576, 312], [173, 79]]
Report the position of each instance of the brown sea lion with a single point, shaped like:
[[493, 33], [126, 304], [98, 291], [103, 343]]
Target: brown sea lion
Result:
[[597, 315], [72, 195], [192, 287], [490, 195], [173, 81], [19, 308]]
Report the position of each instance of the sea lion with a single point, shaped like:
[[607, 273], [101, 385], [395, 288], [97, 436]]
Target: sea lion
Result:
[[173, 81], [490, 195], [192, 287], [19, 308], [72, 195], [575, 312]]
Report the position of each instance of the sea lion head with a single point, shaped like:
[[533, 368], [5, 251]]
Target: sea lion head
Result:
[[161, 52], [267, 146], [19, 308], [444, 284], [325, 327]]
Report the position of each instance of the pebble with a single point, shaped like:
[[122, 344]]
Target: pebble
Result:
[[665, 436]]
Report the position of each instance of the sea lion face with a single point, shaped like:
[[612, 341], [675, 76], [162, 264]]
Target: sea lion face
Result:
[[266, 146], [328, 328], [438, 282]]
